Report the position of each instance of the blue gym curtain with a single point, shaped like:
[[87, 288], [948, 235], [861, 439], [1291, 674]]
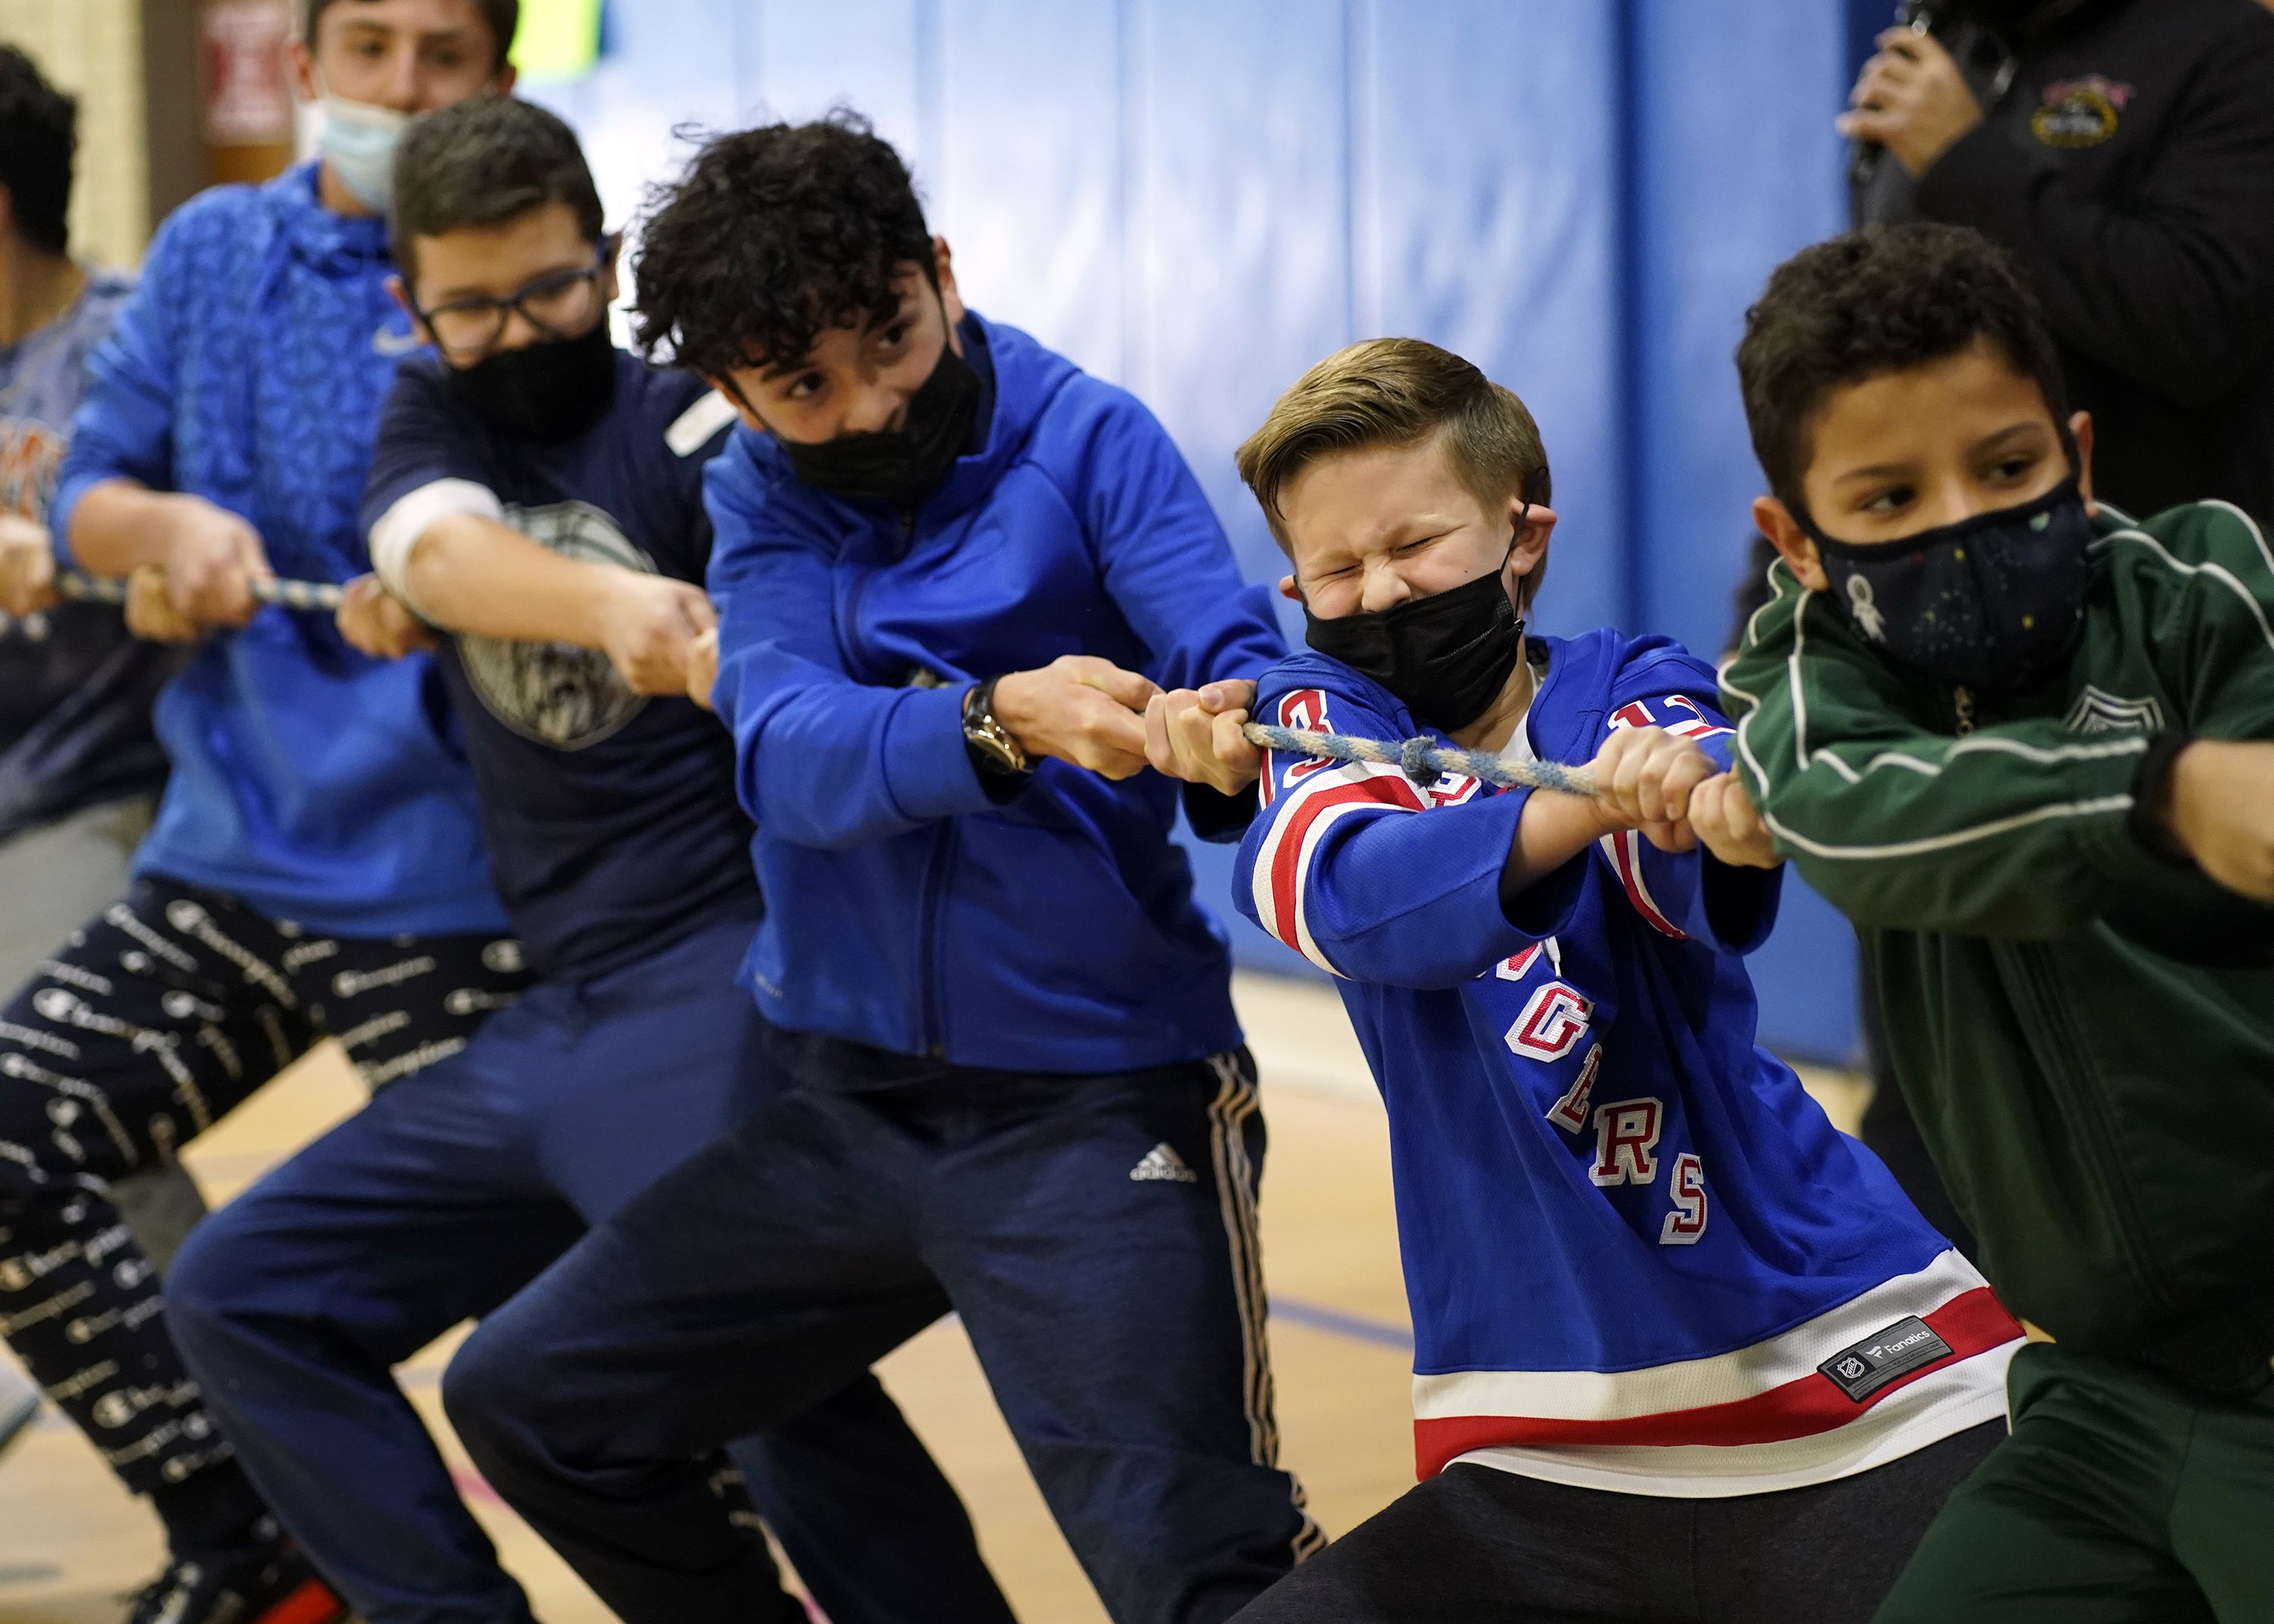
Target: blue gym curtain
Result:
[[1198, 198]]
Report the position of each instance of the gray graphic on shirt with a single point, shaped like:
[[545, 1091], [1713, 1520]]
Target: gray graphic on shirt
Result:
[[556, 693]]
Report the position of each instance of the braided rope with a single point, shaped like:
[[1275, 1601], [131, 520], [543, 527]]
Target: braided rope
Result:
[[1422, 760], [316, 595]]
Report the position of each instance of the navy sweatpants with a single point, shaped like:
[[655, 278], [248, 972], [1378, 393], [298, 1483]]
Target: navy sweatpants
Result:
[[1097, 1236], [449, 1193]]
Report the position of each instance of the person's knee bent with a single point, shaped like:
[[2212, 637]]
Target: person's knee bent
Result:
[[484, 1392], [211, 1281]]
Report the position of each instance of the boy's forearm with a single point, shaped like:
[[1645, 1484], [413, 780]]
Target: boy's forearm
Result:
[[118, 527], [468, 574], [1553, 831]]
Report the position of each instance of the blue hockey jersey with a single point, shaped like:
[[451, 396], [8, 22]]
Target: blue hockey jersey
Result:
[[1638, 1256]]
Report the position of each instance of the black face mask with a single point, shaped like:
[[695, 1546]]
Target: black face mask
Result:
[[545, 391], [902, 466], [1994, 604], [1447, 657]]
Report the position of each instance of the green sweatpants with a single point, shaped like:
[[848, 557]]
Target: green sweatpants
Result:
[[2121, 1498]]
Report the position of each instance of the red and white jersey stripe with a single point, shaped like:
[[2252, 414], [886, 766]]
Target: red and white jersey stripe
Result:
[[1311, 797], [1746, 1422]]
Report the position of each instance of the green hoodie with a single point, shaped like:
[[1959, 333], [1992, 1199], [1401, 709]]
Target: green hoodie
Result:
[[2084, 1028]]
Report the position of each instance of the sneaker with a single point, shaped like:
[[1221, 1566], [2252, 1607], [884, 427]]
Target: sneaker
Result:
[[264, 1581], [19, 1403]]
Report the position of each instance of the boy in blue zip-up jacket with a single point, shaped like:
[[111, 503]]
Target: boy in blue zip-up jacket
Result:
[[1661, 1309], [538, 494], [951, 571], [316, 865]]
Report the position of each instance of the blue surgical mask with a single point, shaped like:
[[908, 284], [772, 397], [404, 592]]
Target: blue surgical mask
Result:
[[358, 142]]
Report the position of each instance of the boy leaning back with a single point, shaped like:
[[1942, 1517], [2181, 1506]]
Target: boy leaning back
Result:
[[1682, 1350], [2022, 740]]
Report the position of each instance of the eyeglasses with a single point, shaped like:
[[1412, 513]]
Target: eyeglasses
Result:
[[557, 305]]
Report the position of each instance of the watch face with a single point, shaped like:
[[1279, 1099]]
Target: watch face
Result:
[[998, 749]]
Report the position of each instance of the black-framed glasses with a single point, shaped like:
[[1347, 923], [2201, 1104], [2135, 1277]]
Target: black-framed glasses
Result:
[[558, 304]]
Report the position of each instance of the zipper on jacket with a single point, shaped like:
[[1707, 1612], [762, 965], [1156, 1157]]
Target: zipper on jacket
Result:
[[2076, 1071], [929, 956], [1963, 701]]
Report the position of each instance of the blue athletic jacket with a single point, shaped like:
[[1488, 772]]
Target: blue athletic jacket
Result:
[[907, 909], [1638, 1256], [247, 368]]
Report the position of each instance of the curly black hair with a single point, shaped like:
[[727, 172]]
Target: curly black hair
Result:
[[38, 136], [772, 234], [1880, 300]]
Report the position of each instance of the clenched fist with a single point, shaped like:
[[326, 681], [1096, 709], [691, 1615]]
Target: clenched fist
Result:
[[1081, 709], [375, 621], [28, 566], [1194, 735], [650, 629]]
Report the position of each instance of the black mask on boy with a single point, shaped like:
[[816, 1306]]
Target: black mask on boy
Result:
[[1447, 657], [1993, 604], [546, 391], [902, 466]]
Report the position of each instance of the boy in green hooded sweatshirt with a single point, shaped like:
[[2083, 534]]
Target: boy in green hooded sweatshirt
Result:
[[2023, 741]]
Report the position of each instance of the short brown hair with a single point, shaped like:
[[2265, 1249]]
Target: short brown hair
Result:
[[485, 161], [503, 18], [1398, 392]]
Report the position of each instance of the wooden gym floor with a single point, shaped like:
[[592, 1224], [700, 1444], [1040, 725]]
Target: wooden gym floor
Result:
[[71, 1541]]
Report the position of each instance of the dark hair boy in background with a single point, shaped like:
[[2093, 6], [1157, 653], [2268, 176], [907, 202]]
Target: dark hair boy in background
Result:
[[537, 494], [316, 864], [951, 571], [79, 767]]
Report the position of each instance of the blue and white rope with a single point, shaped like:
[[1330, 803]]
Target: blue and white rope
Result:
[[1423, 762], [314, 595]]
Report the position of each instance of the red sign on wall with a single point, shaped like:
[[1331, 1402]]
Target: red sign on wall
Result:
[[248, 96]]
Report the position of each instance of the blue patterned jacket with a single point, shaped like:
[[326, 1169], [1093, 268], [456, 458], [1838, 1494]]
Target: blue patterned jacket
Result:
[[313, 783]]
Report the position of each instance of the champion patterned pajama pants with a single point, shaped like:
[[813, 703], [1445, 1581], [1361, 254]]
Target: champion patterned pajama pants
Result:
[[160, 1016]]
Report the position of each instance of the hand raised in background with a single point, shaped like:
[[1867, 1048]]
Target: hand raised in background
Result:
[[1912, 100]]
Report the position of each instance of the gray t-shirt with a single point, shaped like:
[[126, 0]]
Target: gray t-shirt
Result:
[[75, 688]]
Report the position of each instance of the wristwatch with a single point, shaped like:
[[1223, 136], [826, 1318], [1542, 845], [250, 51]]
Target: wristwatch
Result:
[[991, 746]]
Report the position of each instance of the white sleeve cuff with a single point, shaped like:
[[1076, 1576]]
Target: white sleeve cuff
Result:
[[413, 514]]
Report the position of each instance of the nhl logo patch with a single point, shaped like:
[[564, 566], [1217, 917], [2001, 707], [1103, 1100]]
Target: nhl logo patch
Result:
[[2080, 112], [1906, 1346], [2097, 711]]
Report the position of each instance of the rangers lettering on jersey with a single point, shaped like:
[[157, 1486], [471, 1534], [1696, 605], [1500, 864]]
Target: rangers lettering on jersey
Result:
[[1630, 1228]]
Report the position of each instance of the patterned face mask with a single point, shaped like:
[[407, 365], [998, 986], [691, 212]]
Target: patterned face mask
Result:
[[1993, 604]]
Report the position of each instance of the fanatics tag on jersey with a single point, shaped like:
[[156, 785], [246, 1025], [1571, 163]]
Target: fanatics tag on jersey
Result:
[[1903, 1346]]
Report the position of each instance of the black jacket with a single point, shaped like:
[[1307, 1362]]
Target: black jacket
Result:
[[2127, 159]]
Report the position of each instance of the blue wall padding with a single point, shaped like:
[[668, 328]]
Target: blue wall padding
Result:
[[1198, 198]]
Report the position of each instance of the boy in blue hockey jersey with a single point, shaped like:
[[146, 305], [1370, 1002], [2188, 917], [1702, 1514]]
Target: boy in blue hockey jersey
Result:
[[1680, 1348]]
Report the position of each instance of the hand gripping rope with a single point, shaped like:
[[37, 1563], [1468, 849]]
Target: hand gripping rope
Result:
[[1422, 760], [318, 595]]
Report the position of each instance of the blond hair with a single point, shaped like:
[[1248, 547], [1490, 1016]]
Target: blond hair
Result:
[[1398, 392]]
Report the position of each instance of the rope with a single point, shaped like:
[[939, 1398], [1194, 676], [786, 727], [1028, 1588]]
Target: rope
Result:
[[315, 595], [1422, 760]]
